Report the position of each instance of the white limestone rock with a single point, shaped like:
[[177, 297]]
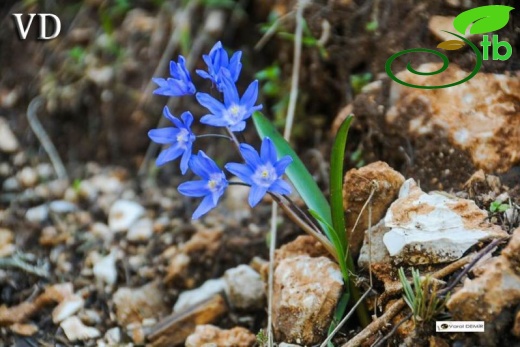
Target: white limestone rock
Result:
[[434, 228]]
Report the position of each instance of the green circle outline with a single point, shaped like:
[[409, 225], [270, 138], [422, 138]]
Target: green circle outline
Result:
[[445, 64]]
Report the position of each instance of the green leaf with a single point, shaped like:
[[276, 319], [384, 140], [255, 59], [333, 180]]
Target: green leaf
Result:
[[338, 314], [336, 184], [485, 19], [297, 172]]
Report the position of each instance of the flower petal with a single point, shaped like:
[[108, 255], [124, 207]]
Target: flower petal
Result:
[[250, 155], [242, 171], [235, 66], [204, 207], [187, 118], [168, 154], [250, 95], [256, 194], [163, 135], [185, 160], [267, 151], [281, 187], [240, 126], [209, 102], [194, 188], [282, 164], [168, 115]]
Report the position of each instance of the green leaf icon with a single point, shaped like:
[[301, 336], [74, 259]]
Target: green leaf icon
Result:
[[485, 18]]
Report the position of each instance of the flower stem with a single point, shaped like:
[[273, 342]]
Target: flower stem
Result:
[[215, 135]]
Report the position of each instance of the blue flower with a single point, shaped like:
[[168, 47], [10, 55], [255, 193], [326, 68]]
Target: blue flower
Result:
[[180, 138], [179, 84], [211, 187], [263, 172], [218, 59], [235, 110]]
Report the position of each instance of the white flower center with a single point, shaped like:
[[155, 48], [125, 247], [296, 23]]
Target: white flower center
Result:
[[265, 175], [182, 137], [234, 114], [215, 182]]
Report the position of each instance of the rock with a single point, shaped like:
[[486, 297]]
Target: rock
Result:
[[24, 329], [105, 269], [8, 142], [437, 24], [212, 335], [113, 336], [434, 228], [250, 296], [516, 326], [306, 291], [193, 297], [100, 76], [37, 214], [358, 184], [302, 245], [75, 330], [174, 329], [28, 177], [62, 207], [140, 231], [236, 201], [374, 250], [6, 243], [478, 117], [493, 296], [44, 171], [11, 185], [67, 308], [123, 214], [134, 305]]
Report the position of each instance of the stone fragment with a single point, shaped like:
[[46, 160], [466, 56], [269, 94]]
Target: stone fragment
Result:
[[434, 228], [140, 231], [133, 305], [113, 336], [28, 177], [244, 288], [374, 250], [174, 329], [67, 308], [6, 242], [37, 214], [493, 296], [192, 297], [123, 214], [19, 313], [302, 245], [206, 335], [62, 207], [8, 141], [437, 24], [75, 330], [24, 329], [105, 269], [357, 187], [306, 291]]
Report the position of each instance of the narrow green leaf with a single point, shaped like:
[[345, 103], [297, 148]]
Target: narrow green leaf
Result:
[[485, 19], [336, 184], [297, 172], [332, 235], [338, 314]]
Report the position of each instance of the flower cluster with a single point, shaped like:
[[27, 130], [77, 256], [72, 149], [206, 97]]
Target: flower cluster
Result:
[[261, 171]]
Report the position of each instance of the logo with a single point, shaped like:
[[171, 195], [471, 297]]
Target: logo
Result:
[[459, 326], [482, 20], [22, 32]]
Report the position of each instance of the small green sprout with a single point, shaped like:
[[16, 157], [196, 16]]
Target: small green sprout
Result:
[[423, 299], [261, 338], [358, 81], [498, 206]]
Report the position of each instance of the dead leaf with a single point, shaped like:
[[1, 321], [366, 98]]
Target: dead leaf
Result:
[[451, 45]]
